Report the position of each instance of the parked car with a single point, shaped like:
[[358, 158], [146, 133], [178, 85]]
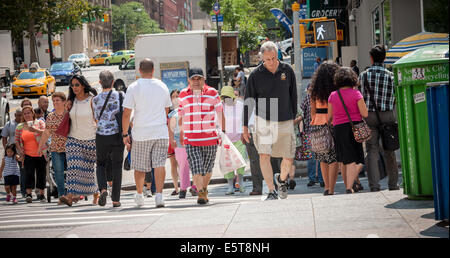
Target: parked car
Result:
[[4, 108], [125, 76], [99, 59], [286, 45], [120, 57], [81, 59], [63, 72], [32, 83]]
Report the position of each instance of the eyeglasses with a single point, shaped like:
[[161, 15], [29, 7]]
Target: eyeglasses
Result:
[[75, 85]]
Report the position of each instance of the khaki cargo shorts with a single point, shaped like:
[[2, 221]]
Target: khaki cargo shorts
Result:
[[275, 138]]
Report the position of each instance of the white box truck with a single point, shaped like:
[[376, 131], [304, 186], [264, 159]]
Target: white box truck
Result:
[[6, 58], [196, 48]]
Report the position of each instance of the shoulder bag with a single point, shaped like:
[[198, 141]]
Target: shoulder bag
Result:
[[303, 152], [104, 105], [361, 131], [64, 126], [388, 131], [119, 114]]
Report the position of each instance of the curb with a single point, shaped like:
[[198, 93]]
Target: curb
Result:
[[301, 171], [214, 181]]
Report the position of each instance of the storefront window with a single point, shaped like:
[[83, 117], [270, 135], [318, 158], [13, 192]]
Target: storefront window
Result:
[[387, 23], [381, 22], [376, 21]]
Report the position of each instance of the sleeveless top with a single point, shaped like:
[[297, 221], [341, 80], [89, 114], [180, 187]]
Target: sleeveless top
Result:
[[321, 116], [82, 123], [11, 167]]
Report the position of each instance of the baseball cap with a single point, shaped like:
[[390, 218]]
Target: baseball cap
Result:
[[196, 72]]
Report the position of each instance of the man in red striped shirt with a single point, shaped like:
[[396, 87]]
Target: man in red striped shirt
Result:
[[198, 106]]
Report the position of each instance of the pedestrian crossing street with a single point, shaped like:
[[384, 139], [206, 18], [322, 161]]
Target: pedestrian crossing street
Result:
[[36, 215]]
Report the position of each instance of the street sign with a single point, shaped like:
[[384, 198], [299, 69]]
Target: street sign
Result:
[[216, 8], [303, 9], [219, 19], [325, 31]]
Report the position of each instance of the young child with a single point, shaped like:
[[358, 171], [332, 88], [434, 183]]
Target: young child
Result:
[[39, 114], [11, 173], [233, 109], [180, 154]]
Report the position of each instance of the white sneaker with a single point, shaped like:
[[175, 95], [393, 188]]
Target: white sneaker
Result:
[[139, 199], [159, 200], [148, 193]]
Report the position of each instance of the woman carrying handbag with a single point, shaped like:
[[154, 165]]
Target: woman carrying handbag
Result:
[[321, 135], [346, 108]]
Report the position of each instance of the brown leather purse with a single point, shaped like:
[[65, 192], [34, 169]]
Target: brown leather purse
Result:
[[64, 126]]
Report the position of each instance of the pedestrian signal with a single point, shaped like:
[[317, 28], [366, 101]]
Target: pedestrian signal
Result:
[[325, 31]]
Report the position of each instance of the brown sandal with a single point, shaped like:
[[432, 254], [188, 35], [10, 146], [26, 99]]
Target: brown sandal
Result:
[[96, 197], [65, 200]]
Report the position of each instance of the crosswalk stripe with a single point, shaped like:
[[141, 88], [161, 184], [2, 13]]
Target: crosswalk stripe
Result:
[[80, 218], [66, 224]]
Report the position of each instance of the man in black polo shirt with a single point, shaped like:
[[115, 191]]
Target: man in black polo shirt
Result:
[[272, 90]]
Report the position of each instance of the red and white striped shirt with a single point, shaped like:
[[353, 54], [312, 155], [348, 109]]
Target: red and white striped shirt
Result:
[[198, 110]]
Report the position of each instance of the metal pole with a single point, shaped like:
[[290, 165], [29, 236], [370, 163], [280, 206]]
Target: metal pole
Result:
[[297, 53], [125, 35], [219, 47]]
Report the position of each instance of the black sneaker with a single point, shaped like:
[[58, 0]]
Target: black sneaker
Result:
[[41, 198], [292, 184], [282, 186], [272, 196], [311, 183], [29, 198], [183, 194], [102, 198]]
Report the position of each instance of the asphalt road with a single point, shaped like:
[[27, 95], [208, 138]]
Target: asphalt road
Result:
[[91, 75]]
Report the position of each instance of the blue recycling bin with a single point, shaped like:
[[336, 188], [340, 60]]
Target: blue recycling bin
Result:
[[438, 119]]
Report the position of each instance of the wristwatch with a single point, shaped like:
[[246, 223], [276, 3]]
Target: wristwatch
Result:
[[124, 135]]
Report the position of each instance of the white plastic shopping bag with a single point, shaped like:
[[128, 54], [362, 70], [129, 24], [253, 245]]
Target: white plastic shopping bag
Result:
[[230, 157]]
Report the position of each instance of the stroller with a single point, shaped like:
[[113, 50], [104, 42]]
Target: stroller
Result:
[[52, 190]]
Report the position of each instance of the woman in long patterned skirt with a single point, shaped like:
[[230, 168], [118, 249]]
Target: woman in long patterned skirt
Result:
[[80, 146]]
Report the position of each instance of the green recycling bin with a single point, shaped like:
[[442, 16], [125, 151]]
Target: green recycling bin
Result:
[[412, 72]]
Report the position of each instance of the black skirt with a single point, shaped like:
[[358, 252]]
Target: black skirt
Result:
[[348, 150]]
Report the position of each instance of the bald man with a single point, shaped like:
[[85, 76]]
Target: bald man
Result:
[[43, 104]]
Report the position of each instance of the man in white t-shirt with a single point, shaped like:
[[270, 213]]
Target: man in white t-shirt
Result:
[[149, 98]]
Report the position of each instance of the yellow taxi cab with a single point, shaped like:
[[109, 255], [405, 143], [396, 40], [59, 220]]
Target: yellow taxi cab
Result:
[[99, 59], [36, 82]]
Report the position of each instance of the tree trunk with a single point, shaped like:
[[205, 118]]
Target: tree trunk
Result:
[[31, 34]]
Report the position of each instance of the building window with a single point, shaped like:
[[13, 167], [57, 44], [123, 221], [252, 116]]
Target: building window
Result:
[[376, 21], [387, 23], [381, 24]]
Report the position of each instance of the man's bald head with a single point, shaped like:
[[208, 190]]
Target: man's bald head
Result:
[[43, 103], [146, 66]]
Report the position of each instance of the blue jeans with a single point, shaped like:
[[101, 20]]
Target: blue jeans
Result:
[[150, 177], [58, 162], [312, 163]]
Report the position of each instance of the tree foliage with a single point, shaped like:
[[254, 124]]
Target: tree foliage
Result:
[[131, 17], [21, 16], [247, 16]]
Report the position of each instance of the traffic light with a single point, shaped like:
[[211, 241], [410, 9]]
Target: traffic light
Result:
[[105, 17], [325, 31]]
